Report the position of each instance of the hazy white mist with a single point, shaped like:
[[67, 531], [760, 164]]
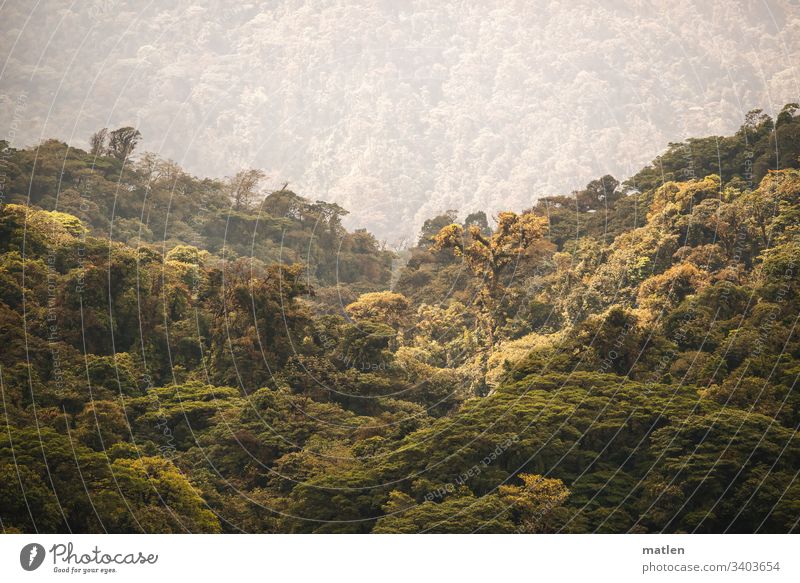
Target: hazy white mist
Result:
[[398, 110]]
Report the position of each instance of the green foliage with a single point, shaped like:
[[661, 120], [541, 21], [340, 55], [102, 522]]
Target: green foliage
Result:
[[455, 515], [187, 355], [152, 200]]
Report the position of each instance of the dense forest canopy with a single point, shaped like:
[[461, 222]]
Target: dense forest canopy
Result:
[[195, 355], [418, 106]]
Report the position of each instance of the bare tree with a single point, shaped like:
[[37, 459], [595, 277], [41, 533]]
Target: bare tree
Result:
[[97, 142], [244, 187]]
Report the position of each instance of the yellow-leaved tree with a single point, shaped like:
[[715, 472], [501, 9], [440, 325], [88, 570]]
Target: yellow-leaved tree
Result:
[[489, 257]]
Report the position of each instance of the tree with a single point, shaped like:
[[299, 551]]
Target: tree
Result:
[[102, 424], [156, 498], [387, 307], [787, 114], [243, 187], [534, 504], [122, 142], [432, 226], [597, 193], [97, 143], [479, 220], [490, 256], [755, 120]]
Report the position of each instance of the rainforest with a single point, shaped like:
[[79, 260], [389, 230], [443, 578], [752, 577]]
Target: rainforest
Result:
[[186, 354]]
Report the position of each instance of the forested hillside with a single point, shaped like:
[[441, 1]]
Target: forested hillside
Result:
[[417, 106], [194, 355]]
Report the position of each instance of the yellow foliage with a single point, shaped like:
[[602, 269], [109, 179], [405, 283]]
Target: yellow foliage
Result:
[[533, 503], [514, 351], [384, 307], [668, 289], [680, 196], [55, 224]]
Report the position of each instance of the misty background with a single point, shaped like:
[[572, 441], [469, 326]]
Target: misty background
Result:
[[398, 110]]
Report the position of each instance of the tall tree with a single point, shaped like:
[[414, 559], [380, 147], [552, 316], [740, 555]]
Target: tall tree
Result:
[[122, 142], [490, 256], [243, 187], [97, 143]]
